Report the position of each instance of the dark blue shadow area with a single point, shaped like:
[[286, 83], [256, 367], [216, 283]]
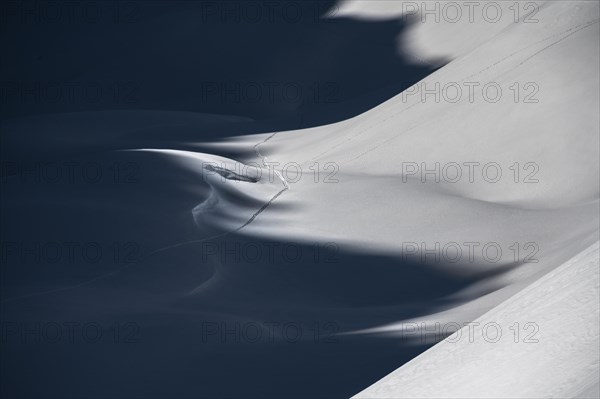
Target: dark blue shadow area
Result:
[[280, 63], [90, 308]]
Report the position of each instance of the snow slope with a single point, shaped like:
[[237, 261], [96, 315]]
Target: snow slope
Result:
[[364, 184], [374, 202], [556, 356]]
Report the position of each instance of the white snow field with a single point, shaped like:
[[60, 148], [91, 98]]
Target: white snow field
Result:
[[555, 358], [515, 168]]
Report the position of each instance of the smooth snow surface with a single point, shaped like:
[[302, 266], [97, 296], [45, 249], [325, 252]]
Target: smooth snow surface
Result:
[[557, 357], [443, 208], [374, 203]]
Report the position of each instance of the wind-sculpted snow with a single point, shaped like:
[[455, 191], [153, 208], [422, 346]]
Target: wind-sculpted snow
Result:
[[381, 198], [361, 236], [559, 360]]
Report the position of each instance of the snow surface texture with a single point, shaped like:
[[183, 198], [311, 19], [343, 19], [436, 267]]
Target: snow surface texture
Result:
[[559, 359], [368, 198], [376, 205]]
